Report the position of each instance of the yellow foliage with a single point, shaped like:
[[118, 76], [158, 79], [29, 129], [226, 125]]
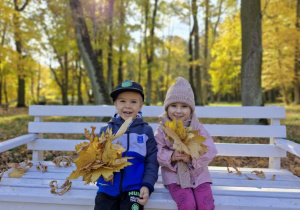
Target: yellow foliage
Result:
[[100, 157], [185, 140]]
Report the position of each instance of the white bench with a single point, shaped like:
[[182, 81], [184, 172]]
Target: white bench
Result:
[[230, 191]]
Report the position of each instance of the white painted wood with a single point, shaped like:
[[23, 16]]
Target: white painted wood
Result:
[[250, 150], [224, 149], [289, 146], [214, 130], [37, 154], [15, 142], [154, 111], [274, 162], [230, 190]]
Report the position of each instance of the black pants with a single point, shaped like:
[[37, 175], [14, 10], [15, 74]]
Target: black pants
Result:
[[124, 201]]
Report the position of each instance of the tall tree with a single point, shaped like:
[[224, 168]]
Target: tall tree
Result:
[[296, 81], [206, 60], [149, 47], [121, 44], [110, 46], [198, 92], [88, 56], [19, 47], [251, 55]]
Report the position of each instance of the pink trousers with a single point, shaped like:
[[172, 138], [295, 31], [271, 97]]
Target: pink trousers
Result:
[[200, 198]]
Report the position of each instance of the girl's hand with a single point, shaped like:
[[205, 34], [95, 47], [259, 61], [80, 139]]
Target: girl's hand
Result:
[[144, 196], [176, 156]]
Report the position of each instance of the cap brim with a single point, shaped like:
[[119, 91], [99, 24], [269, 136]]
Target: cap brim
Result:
[[116, 92]]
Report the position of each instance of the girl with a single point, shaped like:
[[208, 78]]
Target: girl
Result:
[[197, 193]]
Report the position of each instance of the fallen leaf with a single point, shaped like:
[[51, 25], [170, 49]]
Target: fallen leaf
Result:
[[237, 170], [55, 189], [260, 174], [15, 173], [66, 161], [249, 178], [229, 170], [19, 170], [273, 178], [42, 167]]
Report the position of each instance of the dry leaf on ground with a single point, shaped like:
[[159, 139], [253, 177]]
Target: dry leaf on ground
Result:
[[64, 160], [55, 189], [41, 167], [249, 178], [260, 174], [273, 178], [19, 170]]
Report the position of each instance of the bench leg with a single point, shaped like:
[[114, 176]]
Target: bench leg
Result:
[[37, 155], [274, 162]]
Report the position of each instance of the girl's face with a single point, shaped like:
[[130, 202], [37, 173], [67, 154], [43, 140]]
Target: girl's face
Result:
[[179, 111], [128, 104]]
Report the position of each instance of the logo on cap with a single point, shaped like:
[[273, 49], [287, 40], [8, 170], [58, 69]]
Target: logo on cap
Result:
[[127, 83]]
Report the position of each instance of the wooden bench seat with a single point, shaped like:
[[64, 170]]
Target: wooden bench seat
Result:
[[230, 190]]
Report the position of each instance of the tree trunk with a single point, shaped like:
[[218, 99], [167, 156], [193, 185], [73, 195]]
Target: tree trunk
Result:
[[110, 47], [38, 88], [296, 82], [122, 20], [79, 82], [1, 83], [191, 65], [251, 55], [206, 60], [150, 54], [18, 42], [88, 56], [140, 63], [198, 92]]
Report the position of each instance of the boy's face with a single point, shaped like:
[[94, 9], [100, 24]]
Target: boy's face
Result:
[[179, 111], [128, 104]]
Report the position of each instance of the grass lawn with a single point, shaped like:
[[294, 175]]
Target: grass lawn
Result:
[[15, 123]]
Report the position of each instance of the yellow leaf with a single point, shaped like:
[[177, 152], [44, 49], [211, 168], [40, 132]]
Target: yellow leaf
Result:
[[123, 128], [16, 173], [185, 140], [100, 157]]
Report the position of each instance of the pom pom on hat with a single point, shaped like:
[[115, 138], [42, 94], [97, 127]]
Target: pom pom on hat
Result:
[[180, 92]]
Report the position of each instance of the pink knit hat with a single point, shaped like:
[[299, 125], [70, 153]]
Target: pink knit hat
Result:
[[180, 92]]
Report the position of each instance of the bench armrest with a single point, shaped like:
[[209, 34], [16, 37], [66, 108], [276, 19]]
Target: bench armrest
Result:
[[289, 146], [15, 142]]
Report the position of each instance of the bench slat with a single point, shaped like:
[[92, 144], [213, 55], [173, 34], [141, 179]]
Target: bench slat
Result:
[[154, 111], [224, 149], [215, 130]]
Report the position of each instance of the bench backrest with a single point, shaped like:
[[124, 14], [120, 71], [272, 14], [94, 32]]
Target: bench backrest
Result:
[[272, 131]]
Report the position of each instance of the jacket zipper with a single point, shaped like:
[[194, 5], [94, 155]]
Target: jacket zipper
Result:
[[122, 171]]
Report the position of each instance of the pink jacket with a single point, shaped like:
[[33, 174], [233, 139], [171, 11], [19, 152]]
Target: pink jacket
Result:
[[198, 169]]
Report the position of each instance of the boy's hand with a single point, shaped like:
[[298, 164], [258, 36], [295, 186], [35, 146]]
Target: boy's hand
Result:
[[144, 196]]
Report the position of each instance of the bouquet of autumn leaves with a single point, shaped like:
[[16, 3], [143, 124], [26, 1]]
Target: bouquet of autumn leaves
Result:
[[187, 141], [100, 157]]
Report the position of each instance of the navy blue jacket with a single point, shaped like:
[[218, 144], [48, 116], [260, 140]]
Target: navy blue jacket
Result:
[[139, 143]]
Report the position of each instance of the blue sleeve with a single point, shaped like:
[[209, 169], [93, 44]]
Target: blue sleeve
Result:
[[151, 163]]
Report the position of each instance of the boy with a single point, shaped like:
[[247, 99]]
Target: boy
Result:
[[132, 186]]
